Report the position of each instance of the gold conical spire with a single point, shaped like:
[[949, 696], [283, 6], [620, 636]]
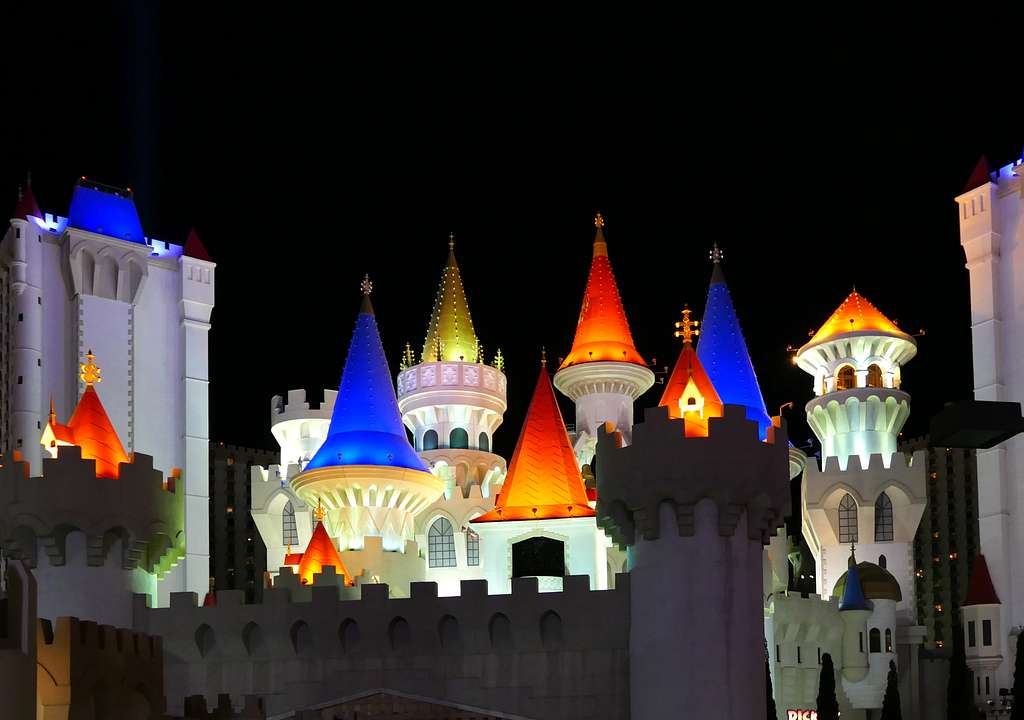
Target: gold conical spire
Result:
[[451, 328]]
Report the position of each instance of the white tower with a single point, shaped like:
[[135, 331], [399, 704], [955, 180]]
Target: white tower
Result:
[[863, 491], [603, 373]]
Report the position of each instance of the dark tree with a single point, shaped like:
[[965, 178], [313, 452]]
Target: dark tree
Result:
[[1018, 681], [828, 706], [772, 713], [891, 704], [959, 698]]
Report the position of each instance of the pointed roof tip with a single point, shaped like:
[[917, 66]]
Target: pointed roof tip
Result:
[[980, 590], [600, 244], [855, 314], [26, 206], [321, 553], [716, 255], [853, 594], [194, 247], [543, 480], [366, 307], [451, 242], [450, 334], [979, 176]]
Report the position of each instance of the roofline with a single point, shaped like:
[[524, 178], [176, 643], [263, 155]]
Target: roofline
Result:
[[855, 334]]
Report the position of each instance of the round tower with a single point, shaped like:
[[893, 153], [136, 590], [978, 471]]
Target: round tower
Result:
[[369, 479], [603, 373], [856, 359], [452, 401]]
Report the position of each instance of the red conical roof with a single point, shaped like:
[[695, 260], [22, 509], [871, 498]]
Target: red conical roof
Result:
[[27, 206], [979, 176], [602, 332], [702, 396], [979, 588], [95, 434], [319, 554], [543, 478], [194, 247]]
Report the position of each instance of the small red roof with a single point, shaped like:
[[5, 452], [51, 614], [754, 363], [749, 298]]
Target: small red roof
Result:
[[95, 434], [979, 176], [543, 478], [211, 599], [292, 558], [27, 206], [979, 588], [689, 373], [319, 554], [194, 247]]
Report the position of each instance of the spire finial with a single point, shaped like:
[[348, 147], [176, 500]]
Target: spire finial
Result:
[[687, 328], [366, 285], [716, 254], [319, 512], [28, 177], [53, 413], [21, 195], [451, 241], [543, 357], [853, 556], [599, 221], [90, 370]]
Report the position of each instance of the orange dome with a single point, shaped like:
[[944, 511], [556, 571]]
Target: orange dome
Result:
[[543, 478], [855, 314], [602, 332], [319, 554]]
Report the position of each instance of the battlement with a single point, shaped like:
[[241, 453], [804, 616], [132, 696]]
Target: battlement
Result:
[[141, 509], [298, 407], [865, 482], [90, 640], [220, 448], [731, 466]]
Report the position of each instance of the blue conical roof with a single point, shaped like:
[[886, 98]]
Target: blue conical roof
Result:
[[853, 594], [723, 353], [366, 427]]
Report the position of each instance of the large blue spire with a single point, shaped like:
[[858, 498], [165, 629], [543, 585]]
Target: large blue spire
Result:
[[366, 427], [723, 351]]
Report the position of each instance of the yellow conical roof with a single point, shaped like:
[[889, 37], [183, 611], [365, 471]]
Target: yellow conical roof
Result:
[[451, 327]]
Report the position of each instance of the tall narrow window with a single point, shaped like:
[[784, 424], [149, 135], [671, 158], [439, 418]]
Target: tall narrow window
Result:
[[986, 633], [875, 640], [289, 532], [888, 640], [883, 518], [847, 519], [972, 637], [845, 378], [472, 548], [441, 544], [874, 376], [484, 442]]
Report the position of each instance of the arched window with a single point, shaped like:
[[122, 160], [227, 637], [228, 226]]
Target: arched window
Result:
[[399, 633], [501, 632], [441, 544], [430, 440], [348, 635], [874, 376], [205, 640], [845, 378], [551, 630], [847, 519], [883, 518], [459, 439], [882, 561], [472, 548], [484, 443], [289, 532], [875, 640], [252, 637], [302, 638], [449, 633], [888, 640]]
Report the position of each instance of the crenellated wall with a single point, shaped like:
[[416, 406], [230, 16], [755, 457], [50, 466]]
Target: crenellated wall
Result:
[[543, 655]]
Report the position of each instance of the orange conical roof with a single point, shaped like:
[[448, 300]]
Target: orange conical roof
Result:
[[95, 434], [855, 314], [602, 332], [543, 478], [690, 384], [319, 554]]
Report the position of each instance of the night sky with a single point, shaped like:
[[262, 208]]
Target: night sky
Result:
[[307, 154]]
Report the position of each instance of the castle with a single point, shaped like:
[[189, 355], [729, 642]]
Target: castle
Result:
[[625, 569]]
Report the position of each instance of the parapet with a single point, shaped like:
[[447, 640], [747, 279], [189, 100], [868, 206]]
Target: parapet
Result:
[[196, 708], [731, 466], [298, 407], [907, 472], [141, 508]]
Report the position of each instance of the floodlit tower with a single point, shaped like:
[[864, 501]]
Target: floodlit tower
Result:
[[603, 373], [453, 401]]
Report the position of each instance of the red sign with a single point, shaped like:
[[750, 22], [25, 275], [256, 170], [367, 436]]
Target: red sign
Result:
[[801, 715]]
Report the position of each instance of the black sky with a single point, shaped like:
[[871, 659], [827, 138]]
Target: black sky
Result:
[[310, 149]]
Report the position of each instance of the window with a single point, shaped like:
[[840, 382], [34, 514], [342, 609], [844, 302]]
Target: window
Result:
[[819, 656], [845, 378], [459, 439], [289, 532], [988, 690], [986, 633], [875, 640], [538, 556], [778, 654], [430, 440], [874, 376], [472, 548], [798, 658], [441, 544], [972, 635], [847, 519], [484, 442], [883, 518], [860, 642], [888, 640], [882, 561]]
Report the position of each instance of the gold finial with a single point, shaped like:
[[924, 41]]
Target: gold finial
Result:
[[451, 241], [499, 361], [543, 357], [53, 413], [366, 285], [319, 512], [90, 371], [687, 328], [716, 254], [407, 359], [598, 221]]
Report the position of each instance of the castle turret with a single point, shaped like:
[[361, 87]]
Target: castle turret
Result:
[[603, 373], [368, 477], [983, 632], [854, 610], [453, 401]]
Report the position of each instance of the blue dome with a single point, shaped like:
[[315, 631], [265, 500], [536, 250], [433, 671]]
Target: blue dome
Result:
[[366, 426], [723, 353]]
